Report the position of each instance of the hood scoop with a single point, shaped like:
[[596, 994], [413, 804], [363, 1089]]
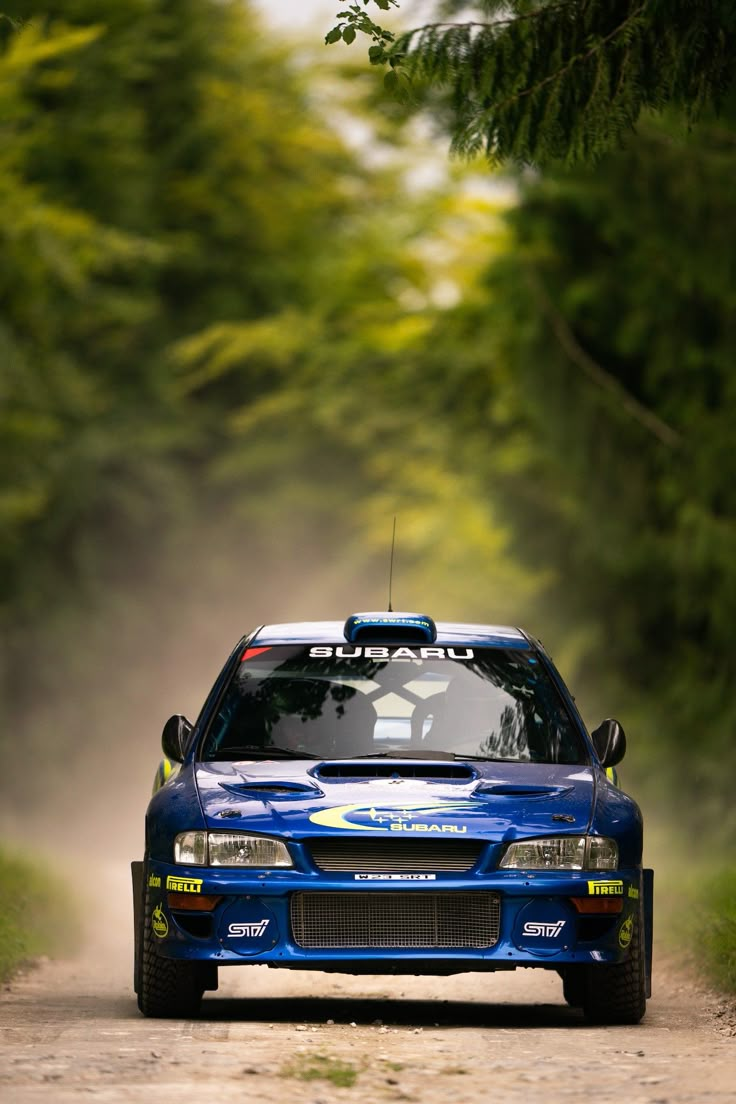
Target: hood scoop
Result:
[[511, 789], [267, 791], [455, 772]]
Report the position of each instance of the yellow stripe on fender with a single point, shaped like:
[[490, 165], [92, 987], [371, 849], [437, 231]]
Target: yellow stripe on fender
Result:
[[162, 774]]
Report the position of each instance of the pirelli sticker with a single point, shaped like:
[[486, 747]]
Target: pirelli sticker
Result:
[[606, 888], [183, 885]]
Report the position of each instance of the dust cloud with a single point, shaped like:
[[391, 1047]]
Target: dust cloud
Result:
[[78, 772]]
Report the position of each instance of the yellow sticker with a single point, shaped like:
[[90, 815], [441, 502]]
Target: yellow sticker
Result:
[[633, 893], [154, 881], [184, 885], [159, 923], [163, 774], [626, 931], [610, 888]]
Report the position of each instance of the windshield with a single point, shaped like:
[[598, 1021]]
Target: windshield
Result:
[[342, 701]]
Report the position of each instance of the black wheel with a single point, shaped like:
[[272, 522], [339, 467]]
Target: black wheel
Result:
[[618, 994], [167, 987]]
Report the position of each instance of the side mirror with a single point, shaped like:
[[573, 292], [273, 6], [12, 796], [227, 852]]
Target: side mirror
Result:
[[175, 737], [609, 741]]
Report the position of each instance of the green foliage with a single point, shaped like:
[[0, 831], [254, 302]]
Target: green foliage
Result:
[[355, 20], [62, 272], [714, 935], [322, 1067], [36, 916], [147, 190], [561, 79]]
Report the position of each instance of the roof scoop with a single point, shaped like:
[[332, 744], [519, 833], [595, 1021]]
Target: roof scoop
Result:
[[390, 628]]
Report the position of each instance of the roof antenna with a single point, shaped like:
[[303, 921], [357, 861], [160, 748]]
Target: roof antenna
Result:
[[391, 568]]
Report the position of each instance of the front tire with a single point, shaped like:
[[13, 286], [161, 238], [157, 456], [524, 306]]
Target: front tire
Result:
[[167, 987], [618, 994]]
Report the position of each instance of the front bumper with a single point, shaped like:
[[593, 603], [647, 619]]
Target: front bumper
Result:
[[477, 921]]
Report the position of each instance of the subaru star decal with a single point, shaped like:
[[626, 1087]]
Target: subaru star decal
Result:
[[399, 817]]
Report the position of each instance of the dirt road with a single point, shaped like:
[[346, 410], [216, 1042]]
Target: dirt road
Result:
[[71, 1032]]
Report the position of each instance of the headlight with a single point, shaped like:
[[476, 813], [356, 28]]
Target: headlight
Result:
[[229, 849], [190, 848], [562, 853]]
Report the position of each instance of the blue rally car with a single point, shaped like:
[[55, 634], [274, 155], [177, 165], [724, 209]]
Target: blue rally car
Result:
[[392, 796]]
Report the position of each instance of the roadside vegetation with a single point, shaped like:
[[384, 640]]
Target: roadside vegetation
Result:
[[236, 339], [37, 915], [718, 928], [321, 1067]]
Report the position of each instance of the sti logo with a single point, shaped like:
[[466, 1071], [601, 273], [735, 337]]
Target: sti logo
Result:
[[248, 931], [543, 931]]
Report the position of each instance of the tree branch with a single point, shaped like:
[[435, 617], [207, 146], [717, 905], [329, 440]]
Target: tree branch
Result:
[[573, 60], [636, 410]]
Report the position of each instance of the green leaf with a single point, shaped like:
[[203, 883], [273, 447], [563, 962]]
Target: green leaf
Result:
[[376, 55], [348, 35], [391, 81], [333, 36]]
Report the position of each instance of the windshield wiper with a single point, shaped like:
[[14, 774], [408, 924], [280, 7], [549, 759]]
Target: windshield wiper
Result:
[[427, 753], [487, 758], [410, 753], [258, 752]]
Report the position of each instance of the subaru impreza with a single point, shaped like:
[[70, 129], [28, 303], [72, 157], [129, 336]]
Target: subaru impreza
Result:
[[391, 795]]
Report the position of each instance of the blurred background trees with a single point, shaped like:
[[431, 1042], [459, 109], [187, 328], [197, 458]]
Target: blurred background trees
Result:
[[239, 331]]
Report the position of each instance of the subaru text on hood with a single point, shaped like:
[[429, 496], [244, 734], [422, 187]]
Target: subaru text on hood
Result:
[[392, 796]]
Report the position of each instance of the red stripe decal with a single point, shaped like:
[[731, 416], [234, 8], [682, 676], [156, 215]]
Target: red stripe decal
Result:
[[251, 653]]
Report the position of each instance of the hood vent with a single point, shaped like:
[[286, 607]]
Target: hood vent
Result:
[[511, 789], [269, 790], [455, 772]]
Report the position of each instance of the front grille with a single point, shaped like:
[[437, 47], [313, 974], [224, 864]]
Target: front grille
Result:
[[395, 920], [388, 856]]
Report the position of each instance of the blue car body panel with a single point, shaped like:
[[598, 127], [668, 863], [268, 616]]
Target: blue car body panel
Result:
[[299, 801]]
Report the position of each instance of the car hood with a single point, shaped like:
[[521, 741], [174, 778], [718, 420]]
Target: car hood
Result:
[[490, 801]]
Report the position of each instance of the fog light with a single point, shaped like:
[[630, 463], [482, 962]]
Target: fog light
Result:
[[193, 902], [598, 906]]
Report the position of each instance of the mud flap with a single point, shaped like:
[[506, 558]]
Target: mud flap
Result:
[[648, 887], [210, 976], [136, 870]]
